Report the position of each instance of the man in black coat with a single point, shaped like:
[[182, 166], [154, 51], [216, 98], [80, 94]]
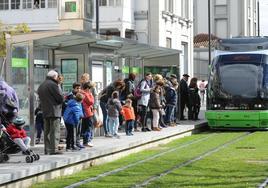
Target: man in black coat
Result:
[[184, 94], [51, 99]]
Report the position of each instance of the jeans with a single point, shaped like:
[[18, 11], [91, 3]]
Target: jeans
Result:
[[113, 125], [105, 116], [129, 126], [39, 128], [23, 143], [87, 130], [78, 132], [169, 113]]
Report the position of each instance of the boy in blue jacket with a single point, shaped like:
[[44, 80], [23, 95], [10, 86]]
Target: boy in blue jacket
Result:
[[72, 115]]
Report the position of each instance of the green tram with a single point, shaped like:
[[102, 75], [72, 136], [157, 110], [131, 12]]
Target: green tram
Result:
[[237, 96]]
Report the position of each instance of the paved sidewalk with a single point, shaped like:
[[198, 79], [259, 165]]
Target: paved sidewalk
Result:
[[16, 169]]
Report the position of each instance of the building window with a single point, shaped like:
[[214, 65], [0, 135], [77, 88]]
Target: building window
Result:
[[168, 42], [51, 4], [15, 4], [103, 2], [4, 5], [39, 3], [118, 2], [27, 4], [220, 10], [221, 2], [169, 5], [184, 8]]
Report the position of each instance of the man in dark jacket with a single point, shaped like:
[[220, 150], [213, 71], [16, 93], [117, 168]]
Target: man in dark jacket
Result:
[[51, 99], [184, 94]]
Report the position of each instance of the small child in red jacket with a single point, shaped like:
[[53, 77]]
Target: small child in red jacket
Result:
[[18, 134], [129, 116]]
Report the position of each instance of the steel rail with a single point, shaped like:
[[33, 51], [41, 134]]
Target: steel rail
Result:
[[137, 163], [202, 156]]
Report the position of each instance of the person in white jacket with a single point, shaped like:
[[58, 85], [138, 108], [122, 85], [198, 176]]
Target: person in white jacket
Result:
[[145, 88]]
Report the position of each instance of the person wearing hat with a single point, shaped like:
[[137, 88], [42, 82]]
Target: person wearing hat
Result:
[[51, 100], [18, 134], [184, 95]]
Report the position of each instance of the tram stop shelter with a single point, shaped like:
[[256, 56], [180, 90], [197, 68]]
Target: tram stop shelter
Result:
[[31, 55]]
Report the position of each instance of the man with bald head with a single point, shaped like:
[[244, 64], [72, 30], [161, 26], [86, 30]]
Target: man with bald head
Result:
[[51, 99]]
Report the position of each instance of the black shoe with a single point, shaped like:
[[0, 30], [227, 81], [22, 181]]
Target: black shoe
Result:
[[147, 129], [144, 130], [56, 153]]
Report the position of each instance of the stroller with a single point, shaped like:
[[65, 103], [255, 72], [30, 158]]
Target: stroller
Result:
[[8, 146]]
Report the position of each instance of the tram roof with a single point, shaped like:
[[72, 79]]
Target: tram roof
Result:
[[66, 38]]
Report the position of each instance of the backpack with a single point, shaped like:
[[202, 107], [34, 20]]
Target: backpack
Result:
[[137, 91]]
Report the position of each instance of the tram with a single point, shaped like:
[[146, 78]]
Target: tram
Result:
[[237, 93]]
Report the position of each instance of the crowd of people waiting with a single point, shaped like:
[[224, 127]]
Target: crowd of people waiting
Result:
[[127, 102]]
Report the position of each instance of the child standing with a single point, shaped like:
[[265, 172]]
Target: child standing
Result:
[[72, 115], [39, 123], [129, 116], [155, 105], [114, 108], [18, 135]]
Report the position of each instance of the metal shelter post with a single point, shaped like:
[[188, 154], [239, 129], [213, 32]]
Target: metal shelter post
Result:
[[31, 91]]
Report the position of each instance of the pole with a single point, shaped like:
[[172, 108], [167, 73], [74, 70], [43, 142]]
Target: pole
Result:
[[97, 17], [258, 17], [209, 34]]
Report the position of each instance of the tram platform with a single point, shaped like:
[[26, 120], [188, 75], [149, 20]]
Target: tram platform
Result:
[[17, 173]]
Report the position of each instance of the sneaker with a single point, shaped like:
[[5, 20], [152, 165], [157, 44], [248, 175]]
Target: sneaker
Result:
[[88, 144], [68, 149], [80, 146], [117, 136], [108, 136], [37, 141]]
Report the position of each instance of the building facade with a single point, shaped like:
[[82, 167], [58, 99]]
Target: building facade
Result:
[[167, 23], [228, 19]]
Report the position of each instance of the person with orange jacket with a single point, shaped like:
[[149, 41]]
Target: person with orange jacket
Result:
[[87, 131], [129, 116]]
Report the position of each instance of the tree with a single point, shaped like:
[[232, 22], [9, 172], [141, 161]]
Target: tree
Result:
[[20, 28]]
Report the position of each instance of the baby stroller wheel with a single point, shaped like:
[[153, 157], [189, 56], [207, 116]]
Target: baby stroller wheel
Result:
[[5, 157], [37, 157], [29, 159]]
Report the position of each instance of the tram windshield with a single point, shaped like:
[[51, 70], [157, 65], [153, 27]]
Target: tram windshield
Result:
[[239, 76]]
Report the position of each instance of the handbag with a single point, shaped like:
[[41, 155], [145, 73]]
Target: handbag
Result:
[[96, 121]]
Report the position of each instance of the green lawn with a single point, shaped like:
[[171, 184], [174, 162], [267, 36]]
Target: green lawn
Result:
[[242, 164]]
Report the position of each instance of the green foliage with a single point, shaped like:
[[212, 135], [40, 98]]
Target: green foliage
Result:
[[20, 28]]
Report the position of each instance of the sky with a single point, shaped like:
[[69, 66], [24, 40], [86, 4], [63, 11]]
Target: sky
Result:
[[263, 17]]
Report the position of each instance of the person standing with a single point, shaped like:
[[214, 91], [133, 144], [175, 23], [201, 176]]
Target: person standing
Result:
[[129, 116], [155, 105], [87, 124], [184, 95], [72, 115], [51, 99], [194, 100], [145, 88], [114, 109]]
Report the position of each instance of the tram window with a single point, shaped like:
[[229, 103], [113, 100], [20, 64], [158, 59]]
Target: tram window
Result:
[[265, 77]]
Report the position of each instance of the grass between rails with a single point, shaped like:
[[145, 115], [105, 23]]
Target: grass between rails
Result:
[[96, 170], [143, 171], [244, 164]]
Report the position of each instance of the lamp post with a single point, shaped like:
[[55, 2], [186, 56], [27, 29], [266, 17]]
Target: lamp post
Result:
[[97, 17], [209, 34]]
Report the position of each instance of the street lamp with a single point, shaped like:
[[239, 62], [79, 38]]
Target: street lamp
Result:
[[97, 17], [209, 34]]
